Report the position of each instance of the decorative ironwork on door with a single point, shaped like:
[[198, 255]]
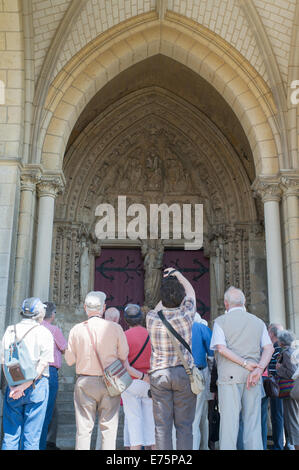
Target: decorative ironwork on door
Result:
[[195, 267], [120, 274]]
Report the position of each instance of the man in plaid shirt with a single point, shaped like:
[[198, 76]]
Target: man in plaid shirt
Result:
[[173, 400]]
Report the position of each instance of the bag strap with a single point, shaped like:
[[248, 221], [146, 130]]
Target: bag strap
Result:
[[172, 330], [174, 342], [141, 351], [93, 345], [15, 331]]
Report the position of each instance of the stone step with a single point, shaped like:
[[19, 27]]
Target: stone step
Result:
[[65, 397], [66, 407], [66, 432]]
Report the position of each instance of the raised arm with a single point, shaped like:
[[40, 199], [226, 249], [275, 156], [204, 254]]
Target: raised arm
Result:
[[186, 284]]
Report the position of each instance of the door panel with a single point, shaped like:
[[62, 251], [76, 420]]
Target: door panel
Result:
[[195, 267], [119, 273]]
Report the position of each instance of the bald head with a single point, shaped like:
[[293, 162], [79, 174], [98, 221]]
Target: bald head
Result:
[[112, 314]]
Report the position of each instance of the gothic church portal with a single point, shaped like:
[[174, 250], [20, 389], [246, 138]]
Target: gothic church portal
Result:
[[164, 102]]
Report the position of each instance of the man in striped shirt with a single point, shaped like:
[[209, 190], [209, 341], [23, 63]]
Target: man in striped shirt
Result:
[[173, 400], [276, 404]]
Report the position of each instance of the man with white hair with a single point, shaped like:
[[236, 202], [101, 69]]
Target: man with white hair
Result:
[[238, 339], [112, 314], [91, 395], [25, 404]]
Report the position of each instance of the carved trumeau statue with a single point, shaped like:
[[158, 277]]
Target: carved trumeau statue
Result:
[[84, 270], [152, 252]]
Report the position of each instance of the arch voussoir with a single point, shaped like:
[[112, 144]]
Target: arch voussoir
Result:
[[227, 70]]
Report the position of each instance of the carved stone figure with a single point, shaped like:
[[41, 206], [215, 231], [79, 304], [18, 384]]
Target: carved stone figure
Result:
[[154, 171], [84, 270], [171, 174], [152, 251]]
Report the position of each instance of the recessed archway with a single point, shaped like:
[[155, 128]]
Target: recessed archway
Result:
[[200, 50]]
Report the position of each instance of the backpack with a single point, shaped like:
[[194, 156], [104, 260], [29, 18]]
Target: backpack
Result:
[[18, 365]]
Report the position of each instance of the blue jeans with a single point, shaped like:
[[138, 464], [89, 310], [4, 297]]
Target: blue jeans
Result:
[[264, 421], [240, 445], [276, 406], [23, 418], [53, 389]]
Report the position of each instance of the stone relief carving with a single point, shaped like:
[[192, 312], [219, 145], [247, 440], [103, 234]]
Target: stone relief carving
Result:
[[159, 153], [84, 270]]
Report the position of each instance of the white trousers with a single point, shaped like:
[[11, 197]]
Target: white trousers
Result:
[[233, 400], [138, 409]]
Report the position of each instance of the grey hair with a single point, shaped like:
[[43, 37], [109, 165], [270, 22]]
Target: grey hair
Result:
[[286, 337], [112, 314], [39, 316], [274, 328], [234, 297]]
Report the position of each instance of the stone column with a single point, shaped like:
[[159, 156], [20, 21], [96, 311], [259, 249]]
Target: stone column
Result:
[[290, 187], [24, 241], [47, 190], [271, 195]]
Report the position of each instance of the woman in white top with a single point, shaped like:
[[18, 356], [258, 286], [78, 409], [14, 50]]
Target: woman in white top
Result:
[[25, 404]]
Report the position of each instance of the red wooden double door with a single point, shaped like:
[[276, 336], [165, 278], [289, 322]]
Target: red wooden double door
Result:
[[119, 273]]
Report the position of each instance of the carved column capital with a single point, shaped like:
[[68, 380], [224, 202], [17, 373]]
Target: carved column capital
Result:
[[29, 178], [50, 186], [290, 185], [268, 190], [29, 182]]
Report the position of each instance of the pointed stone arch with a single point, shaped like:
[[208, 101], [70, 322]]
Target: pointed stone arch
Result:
[[186, 42]]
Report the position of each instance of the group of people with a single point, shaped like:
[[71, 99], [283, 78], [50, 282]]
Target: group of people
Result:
[[161, 410]]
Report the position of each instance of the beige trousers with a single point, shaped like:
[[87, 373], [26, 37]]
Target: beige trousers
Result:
[[235, 399], [91, 397]]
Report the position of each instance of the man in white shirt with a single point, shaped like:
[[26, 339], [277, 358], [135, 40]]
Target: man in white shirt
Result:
[[243, 350], [25, 404]]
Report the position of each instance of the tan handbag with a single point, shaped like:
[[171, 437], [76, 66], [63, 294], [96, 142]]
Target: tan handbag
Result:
[[116, 377]]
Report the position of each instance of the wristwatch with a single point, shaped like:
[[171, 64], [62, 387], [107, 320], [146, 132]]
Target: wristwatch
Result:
[[244, 364]]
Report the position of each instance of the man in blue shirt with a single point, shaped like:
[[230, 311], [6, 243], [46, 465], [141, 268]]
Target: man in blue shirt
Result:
[[201, 339]]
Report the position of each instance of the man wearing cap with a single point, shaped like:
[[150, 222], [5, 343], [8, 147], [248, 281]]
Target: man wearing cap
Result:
[[60, 345], [91, 395], [25, 405]]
